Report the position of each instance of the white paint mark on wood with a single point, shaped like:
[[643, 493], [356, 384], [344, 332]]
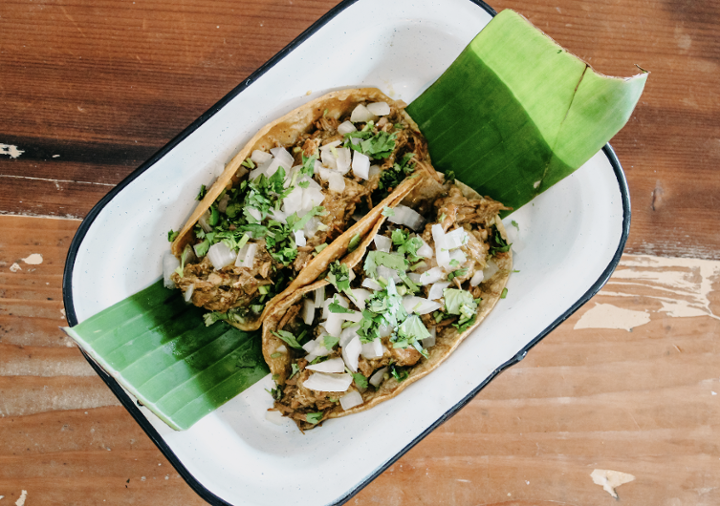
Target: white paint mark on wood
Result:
[[682, 285], [34, 259], [21, 499], [607, 316], [610, 480], [15, 267], [10, 150]]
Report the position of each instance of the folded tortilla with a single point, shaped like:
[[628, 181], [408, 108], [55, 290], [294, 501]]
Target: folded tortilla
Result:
[[332, 347], [277, 227]]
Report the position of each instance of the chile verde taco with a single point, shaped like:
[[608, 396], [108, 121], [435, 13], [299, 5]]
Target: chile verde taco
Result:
[[291, 201], [389, 314]]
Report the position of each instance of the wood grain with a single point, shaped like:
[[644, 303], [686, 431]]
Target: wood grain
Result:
[[90, 93]]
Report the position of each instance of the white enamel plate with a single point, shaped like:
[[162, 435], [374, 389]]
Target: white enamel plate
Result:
[[569, 242]]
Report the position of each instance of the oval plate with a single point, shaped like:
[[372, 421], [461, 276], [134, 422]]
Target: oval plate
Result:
[[569, 241]]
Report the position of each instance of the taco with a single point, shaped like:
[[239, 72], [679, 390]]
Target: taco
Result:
[[390, 313], [290, 202]]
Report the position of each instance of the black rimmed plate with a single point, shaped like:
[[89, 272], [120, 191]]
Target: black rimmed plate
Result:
[[568, 241]]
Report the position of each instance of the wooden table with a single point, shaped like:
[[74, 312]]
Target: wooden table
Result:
[[630, 383]]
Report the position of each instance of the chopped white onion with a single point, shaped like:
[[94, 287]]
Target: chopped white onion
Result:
[[361, 295], [351, 400], [170, 263], [203, 221], [454, 239], [429, 342], [382, 243], [260, 157], [425, 251], [459, 256], [336, 182], [312, 197], [320, 296], [377, 377], [387, 273], [347, 335], [436, 290], [278, 216], [293, 202], [431, 276], [324, 173], [323, 382], [346, 127], [371, 284], [477, 278], [351, 353], [221, 255], [404, 215], [361, 114], [246, 255], [355, 316], [333, 324], [490, 269], [222, 204], [343, 159], [385, 330], [330, 145], [188, 293], [255, 213], [371, 350], [442, 254], [333, 365], [281, 349], [419, 305], [328, 159], [275, 417], [361, 165], [308, 311], [300, 238], [374, 171], [379, 108], [282, 159]]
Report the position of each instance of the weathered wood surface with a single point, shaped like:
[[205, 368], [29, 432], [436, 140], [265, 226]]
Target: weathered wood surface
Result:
[[88, 92]]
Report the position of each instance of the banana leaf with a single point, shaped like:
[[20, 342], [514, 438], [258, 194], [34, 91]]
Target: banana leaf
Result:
[[159, 349], [515, 113]]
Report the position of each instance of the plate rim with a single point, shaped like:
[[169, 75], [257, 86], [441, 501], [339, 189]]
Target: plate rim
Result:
[[133, 408]]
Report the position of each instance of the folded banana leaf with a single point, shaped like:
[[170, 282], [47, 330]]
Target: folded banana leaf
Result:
[[513, 115], [159, 349]]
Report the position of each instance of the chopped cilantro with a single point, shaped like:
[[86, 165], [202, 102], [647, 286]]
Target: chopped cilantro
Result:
[[277, 354], [497, 243], [354, 243], [172, 235], [295, 370], [329, 342], [320, 247], [334, 307], [201, 193], [399, 373], [515, 224], [456, 274], [288, 338], [360, 380], [504, 293], [389, 260], [213, 317], [450, 177], [388, 211], [248, 163], [339, 277], [314, 418]]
